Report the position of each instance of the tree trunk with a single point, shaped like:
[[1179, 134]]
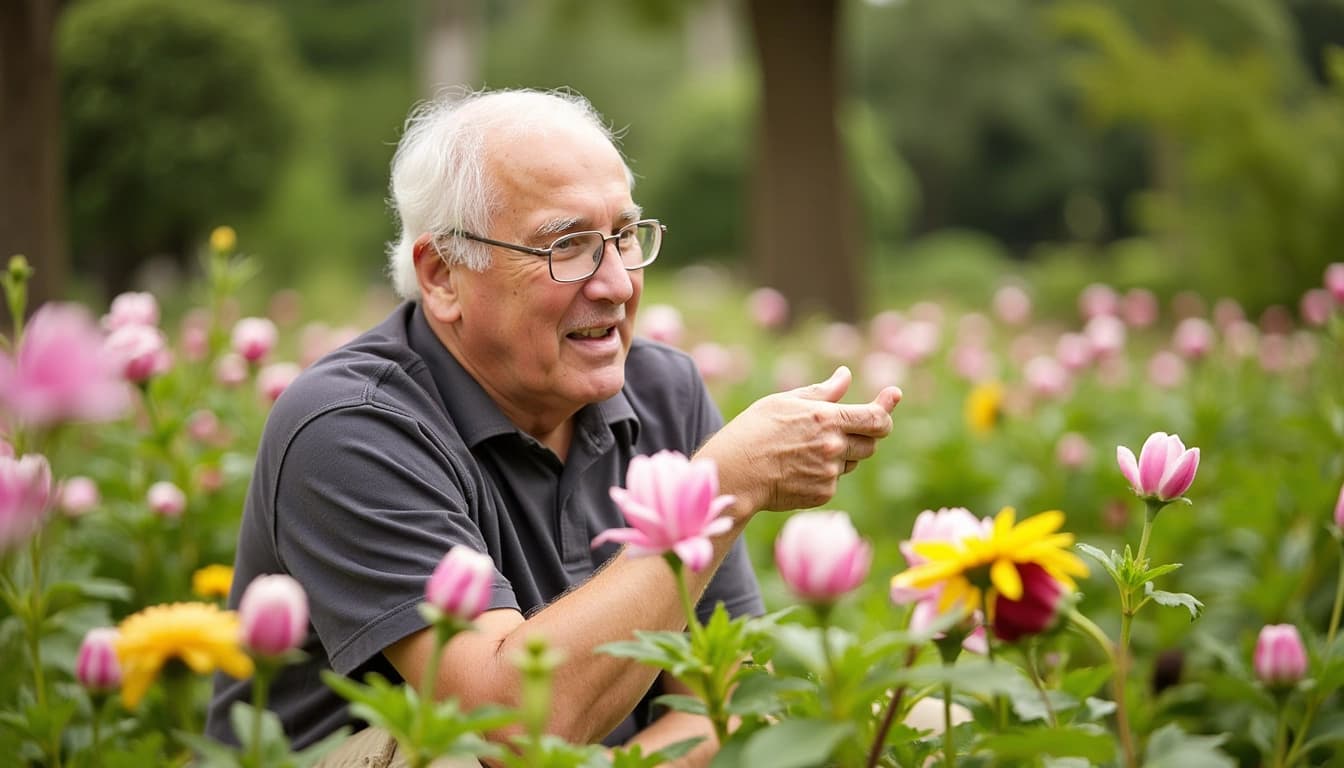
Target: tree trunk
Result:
[[31, 220], [451, 45], [804, 232]]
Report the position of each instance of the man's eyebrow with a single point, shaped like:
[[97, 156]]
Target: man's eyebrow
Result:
[[562, 225]]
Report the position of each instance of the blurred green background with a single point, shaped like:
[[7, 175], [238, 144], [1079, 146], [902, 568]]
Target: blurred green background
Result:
[[1195, 145]]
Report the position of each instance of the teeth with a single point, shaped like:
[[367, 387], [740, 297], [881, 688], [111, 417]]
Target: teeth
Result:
[[591, 333]]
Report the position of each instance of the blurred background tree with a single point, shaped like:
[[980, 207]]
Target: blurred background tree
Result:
[[1179, 146]]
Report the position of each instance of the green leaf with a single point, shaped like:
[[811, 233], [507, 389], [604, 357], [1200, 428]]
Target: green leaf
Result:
[[795, 743], [1094, 745], [1086, 681], [209, 753], [319, 750], [976, 677], [66, 594], [679, 703], [1107, 561], [1170, 747], [759, 693], [1161, 570], [1175, 599], [803, 645]]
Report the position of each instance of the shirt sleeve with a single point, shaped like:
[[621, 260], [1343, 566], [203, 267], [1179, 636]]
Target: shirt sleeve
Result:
[[367, 503]]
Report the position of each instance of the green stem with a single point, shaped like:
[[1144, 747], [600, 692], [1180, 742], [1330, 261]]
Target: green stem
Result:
[[1090, 629], [428, 683], [261, 685], [712, 686], [1335, 612], [1120, 679], [1280, 740], [889, 717], [1034, 672], [1143, 538], [95, 754], [949, 744]]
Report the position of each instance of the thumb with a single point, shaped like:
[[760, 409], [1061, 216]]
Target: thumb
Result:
[[889, 397], [830, 390]]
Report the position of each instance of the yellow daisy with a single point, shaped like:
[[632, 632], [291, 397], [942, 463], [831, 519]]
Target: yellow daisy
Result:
[[201, 635], [967, 566], [223, 239], [212, 581], [984, 407]]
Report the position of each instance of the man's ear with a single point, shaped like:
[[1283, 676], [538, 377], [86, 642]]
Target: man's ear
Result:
[[437, 279]]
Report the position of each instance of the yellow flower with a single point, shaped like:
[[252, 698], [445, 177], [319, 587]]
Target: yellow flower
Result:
[[201, 635], [223, 239], [212, 581], [966, 566], [984, 407]]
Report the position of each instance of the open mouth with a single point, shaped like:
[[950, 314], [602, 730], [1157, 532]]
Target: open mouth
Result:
[[587, 334]]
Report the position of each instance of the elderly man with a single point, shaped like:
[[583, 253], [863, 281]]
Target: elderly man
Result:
[[494, 410]]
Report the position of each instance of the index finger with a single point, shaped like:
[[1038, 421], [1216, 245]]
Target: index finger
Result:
[[869, 419]]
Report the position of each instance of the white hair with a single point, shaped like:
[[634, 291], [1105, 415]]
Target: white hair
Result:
[[439, 173]]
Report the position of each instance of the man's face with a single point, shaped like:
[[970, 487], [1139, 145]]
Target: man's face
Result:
[[544, 349]]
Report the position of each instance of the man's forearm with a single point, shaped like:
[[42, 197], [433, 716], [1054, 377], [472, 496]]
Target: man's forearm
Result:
[[680, 726]]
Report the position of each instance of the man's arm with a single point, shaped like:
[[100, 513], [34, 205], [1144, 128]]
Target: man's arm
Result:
[[673, 727], [786, 451]]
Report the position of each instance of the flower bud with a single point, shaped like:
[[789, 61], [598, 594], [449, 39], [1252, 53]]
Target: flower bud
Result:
[[166, 499], [230, 369], [1280, 658], [1334, 281], [223, 239], [1164, 469], [25, 490], [132, 308], [140, 350], [1339, 508], [273, 615], [275, 378], [254, 338], [820, 556], [1035, 612], [78, 495], [769, 309], [461, 584], [96, 667]]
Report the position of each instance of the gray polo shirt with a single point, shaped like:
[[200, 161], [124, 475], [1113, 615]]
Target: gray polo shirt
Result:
[[386, 453]]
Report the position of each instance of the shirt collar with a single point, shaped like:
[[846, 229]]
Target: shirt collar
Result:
[[477, 417]]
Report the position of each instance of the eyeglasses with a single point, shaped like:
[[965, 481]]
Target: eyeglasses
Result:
[[575, 257]]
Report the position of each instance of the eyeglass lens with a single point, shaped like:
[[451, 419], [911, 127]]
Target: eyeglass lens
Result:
[[578, 256]]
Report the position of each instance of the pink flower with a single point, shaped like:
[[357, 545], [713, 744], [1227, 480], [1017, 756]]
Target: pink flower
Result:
[[1280, 658], [1045, 377], [1097, 300], [1035, 612], [273, 615], [460, 585], [132, 308], [166, 499], [1074, 351], [1334, 280], [948, 525], [713, 360], [61, 371], [1193, 338], [203, 426], [1012, 305], [230, 369], [674, 504], [1226, 312], [78, 495], [1139, 308], [821, 557], [1315, 307], [25, 490], [1073, 450], [662, 323], [1166, 369], [1106, 334], [142, 351], [276, 378], [96, 667], [1164, 470], [768, 308], [254, 338], [1339, 508]]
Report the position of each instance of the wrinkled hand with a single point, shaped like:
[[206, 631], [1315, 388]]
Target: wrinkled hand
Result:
[[788, 450]]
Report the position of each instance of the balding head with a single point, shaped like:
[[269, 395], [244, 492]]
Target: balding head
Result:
[[441, 178]]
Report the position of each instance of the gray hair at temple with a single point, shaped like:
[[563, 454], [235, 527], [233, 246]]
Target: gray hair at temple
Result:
[[439, 173]]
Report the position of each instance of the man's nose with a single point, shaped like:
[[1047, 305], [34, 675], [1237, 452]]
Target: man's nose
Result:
[[612, 281]]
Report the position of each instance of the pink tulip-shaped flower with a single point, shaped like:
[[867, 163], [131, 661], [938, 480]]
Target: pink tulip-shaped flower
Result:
[[275, 378], [1193, 337], [142, 351], [1073, 450], [1339, 508], [673, 504], [1035, 612], [821, 557], [1280, 657], [768, 308], [166, 499], [461, 583], [61, 371], [1164, 470], [949, 525], [78, 495], [662, 323], [25, 490], [97, 667], [254, 338], [1334, 281], [1012, 305], [1315, 307], [273, 615], [132, 308]]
